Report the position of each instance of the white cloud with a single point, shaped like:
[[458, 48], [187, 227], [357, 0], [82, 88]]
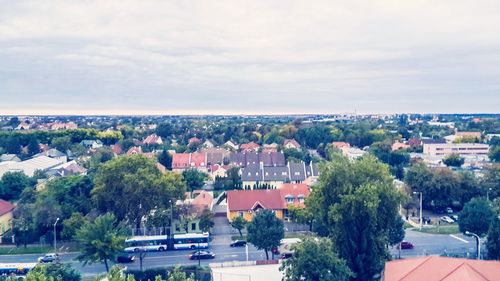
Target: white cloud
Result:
[[296, 55]]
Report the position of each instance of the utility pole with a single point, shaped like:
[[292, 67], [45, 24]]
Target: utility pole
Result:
[[420, 220], [55, 237]]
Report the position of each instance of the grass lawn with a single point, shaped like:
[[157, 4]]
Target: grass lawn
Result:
[[408, 225], [443, 229], [22, 250]]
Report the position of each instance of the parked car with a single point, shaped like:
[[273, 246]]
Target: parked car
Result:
[[50, 257], [455, 218], [447, 219], [405, 245], [238, 243], [426, 220], [449, 210], [200, 255], [125, 258]]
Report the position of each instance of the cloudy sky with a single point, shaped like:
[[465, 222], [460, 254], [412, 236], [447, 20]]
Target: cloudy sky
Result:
[[231, 57]]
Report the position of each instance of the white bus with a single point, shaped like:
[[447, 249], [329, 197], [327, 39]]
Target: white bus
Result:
[[146, 243], [17, 269], [162, 242], [191, 241]]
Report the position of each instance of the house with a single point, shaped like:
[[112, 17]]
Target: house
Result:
[[231, 145], [153, 140], [434, 268], [273, 147], [246, 203], [9, 157], [63, 126], [23, 126], [54, 153], [67, 169], [181, 161], [399, 145], [6, 209], [243, 159], [291, 144], [208, 144], [193, 140], [117, 149], [256, 175], [134, 150], [93, 144], [218, 171], [215, 155], [340, 144], [414, 142], [202, 200], [249, 147], [198, 160]]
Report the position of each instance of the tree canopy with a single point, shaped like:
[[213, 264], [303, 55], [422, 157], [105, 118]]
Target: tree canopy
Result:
[[265, 231]]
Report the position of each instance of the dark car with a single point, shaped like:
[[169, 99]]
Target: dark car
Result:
[[405, 245], [238, 243], [426, 220], [201, 255], [125, 259]]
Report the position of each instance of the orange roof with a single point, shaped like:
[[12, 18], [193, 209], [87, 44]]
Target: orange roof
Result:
[[340, 144], [180, 160], [434, 268], [5, 207], [198, 159], [249, 146]]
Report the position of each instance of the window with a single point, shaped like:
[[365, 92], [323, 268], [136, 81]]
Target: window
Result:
[[193, 226], [301, 198], [240, 214], [289, 199], [297, 173]]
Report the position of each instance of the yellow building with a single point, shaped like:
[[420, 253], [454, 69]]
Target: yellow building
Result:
[[6, 209], [246, 203]]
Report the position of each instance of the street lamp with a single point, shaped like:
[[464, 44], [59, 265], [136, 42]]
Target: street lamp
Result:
[[55, 236], [420, 220], [478, 243]]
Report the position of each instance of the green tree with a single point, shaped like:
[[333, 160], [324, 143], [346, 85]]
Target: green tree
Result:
[[301, 215], [12, 184], [493, 241], [101, 240], [165, 159], [131, 187], [178, 275], [13, 146], [56, 271], [33, 146], [495, 153], [239, 224], [206, 220], [116, 274], [315, 260], [476, 216], [71, 225], [164, 130], [265, 231], [194, 179], [453, 160], [356, 204], [62, 143]]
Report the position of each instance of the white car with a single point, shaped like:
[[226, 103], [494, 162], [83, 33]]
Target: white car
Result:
[[51, 257], [447, 219]]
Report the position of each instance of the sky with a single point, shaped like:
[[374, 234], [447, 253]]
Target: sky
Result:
[[249, 57]]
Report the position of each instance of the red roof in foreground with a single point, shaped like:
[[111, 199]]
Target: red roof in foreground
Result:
[[5, 207], [434, 268]]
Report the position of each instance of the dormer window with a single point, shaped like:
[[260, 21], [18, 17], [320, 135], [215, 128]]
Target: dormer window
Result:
[[300, 198], [289, 199]]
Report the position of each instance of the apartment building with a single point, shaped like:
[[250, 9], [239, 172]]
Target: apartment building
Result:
[[442, 149]]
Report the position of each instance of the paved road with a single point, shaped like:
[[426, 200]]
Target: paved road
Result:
[[425, 244]]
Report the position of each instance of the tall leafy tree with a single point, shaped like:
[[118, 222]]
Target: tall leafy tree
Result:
[[206, 220], [476, 217], [239, 224], [493, 241], [132, 186], [315, 260], [265, 231], [13, 145], [33, 146], [12, 185], [194, 179], [356, 204], [101, 240], [453, 160], [54, 271], [165, 159]]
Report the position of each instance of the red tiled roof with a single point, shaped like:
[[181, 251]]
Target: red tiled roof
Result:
[[134, 150], [193, 140], [5, 207], [249, 146], [295, 190], [117, 149], [203, 199], [152, 139], [198, 159], [180, 160], [436, 268], [292, 142], [244, 200]]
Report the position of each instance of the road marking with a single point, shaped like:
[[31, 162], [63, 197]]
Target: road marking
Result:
[[459, 239]]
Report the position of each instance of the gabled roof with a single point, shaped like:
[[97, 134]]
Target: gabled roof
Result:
[[249, 146], [180, 160], [153, 139], [5, 207], [434, 268], [244, 200], [134, 150], [340, 144], [291, 142]]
